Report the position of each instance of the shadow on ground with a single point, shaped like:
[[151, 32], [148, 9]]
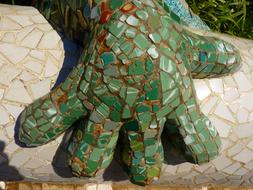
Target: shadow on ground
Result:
[[7, 172]]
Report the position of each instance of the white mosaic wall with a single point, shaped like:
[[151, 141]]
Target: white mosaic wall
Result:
[[31, 55]]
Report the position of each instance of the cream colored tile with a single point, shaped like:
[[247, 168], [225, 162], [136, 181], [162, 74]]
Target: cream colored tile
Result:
[[34, 66], [49, 40], [244, 130], [216, 85], [202, 90], [223, 112], [4, 116], [18, 93], [22, 20], [41, 88], [13, 53], [8, 73], [244, 156], [221, 162], [32, 40], [222, 127]]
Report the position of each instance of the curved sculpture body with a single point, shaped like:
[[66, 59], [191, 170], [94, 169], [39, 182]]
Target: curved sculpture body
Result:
[[135, 74]]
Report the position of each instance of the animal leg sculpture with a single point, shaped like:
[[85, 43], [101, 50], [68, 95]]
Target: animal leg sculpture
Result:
[[190, 130], [136, 69], [92, 146], [49, 116], [210, 56], [142, 151]]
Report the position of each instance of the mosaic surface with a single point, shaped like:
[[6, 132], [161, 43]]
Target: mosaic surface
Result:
[[187, 17], [178, 172], [132, 77]]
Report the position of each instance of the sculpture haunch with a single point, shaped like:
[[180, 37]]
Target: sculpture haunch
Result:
[[135, 74]]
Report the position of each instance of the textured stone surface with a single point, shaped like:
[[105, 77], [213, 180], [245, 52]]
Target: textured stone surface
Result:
[[224, 99]]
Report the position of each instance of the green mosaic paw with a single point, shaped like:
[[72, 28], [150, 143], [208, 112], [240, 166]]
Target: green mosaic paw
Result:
[[134, 74]]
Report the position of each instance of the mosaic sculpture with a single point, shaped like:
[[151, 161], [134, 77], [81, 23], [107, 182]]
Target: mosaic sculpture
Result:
[[134, 75]]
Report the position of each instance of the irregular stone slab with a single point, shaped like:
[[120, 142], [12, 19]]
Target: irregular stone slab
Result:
[[4, 116], [22, 96], [39, 89], [48, 40], [13, 53], [8, 73], [32, 39]]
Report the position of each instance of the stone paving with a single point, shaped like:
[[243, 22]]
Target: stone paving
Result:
[[31, 56]]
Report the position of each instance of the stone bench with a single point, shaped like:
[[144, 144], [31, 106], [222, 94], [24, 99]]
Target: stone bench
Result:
[[32, 55]]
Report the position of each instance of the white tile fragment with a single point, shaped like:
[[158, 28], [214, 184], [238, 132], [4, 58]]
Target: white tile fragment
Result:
[[242, 82], [225, 143], [241, 172], [216, 85], [13, 109], [41, 88], [34, 66], [32, 39], [250, 144], [39, 19], [244, 156], [8, 73], [251, 51], [202, 90], [250, 117], [184, 168], [244, 131], [26, 76], [246, 101], [4, 116], [1, 93], [171, 169], [45, 169], [13, 52], [38, 54], [11, 147], [23, 20], [223, 112], [231, 95], [231, 169], [33, 164], [242, 115], [18, 93], [48, 152], [234, 107], [221, 162], [23, 33], [249, 165], [50, 69], [49, 40], [19, 158], [218, 176], [235, 149], [209, 105], [9, 37], [8, 25], [202, 168], [229, 82], [56, 54], [222, 127]]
